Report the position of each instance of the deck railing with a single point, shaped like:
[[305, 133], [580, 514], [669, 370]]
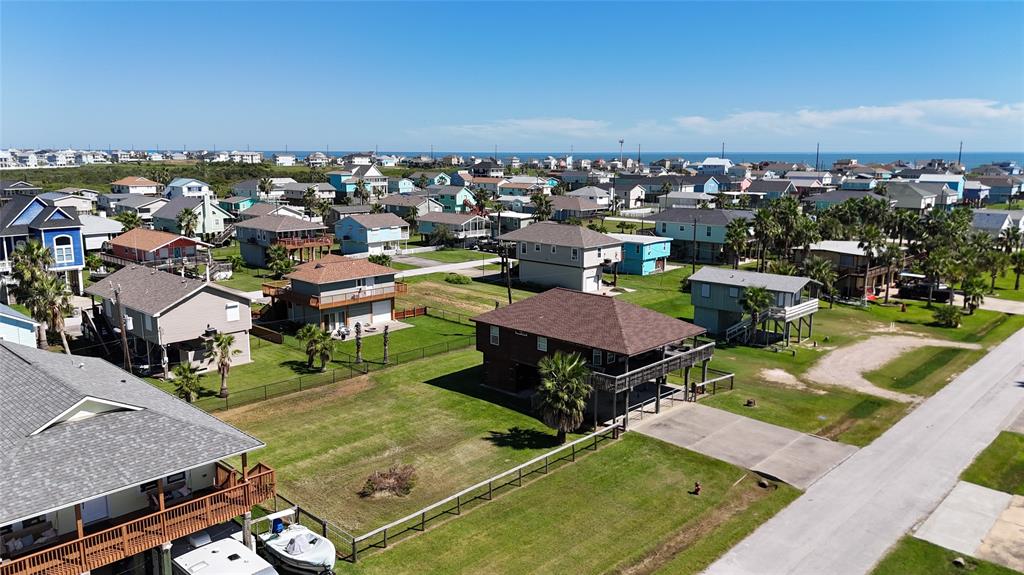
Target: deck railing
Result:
[[283, 290], [676, 360], [132, 537], [325, 240], [794, 312]]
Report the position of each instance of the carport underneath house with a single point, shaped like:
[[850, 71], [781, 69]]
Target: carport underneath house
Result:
[[631, 349]]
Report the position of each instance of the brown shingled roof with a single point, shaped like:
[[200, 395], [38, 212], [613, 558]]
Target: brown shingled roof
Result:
[[335, 268], [591, 320], [147, 240]]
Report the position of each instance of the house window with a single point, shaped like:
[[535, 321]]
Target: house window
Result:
[[149, 486], [522, 247], [575, 254], [734, 292], [596, 357], [495, 331], [780, 299], [231, 311], [664, 227], [705, 290], [610, 357], [175, 478], [536, 247], [33, 521], [554, 249], [542, 343], [639, 248], [707, 231], [63, 252], [148, 322], [682, 228]]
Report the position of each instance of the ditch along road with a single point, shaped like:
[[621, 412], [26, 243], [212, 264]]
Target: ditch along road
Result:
[[846, 521]]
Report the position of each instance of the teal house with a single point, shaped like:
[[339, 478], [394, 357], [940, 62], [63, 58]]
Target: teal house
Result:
[[236, 204], [454, 199], [643, 255]]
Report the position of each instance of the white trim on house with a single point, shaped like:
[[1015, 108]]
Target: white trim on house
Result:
[[62, 416]]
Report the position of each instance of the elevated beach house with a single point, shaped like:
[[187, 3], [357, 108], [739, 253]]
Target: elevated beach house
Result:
[[697, 234], [102, 471], [211, 219], [627, 348], [25, 218], [142, 206], [642, 254], [466, 228], [136, 185], [371, 233], [337, 291], [717, 295], [151, 247], [559, 255], [171, 319], [855, 274], [304, 239]]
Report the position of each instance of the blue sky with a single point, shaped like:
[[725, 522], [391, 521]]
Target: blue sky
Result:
[[523, 76]]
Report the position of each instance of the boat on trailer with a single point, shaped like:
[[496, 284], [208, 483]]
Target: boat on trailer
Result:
[[295, 547]]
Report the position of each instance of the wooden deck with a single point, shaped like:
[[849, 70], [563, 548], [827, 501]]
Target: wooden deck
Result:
[[137, 535], [282, 290], [674, 361]]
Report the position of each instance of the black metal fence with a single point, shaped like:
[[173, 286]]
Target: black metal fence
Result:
[[264, 392]]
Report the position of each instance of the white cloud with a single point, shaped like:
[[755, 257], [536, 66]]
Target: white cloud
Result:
[[526, 129]]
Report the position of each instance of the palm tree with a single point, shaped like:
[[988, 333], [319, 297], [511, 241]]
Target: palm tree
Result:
[[29, 263], [890, 257], [236, 261], [49, 301], [737, 234], [222, 352], [996, 263], [820, 270], [1017, 261], [188, 220], [782, 268], [1010, 239], [937, 265], [974, 293], [309, 200], [93, 261], [563, 391], [542, 206], [279, 260], [765, 231], [265, 187], [756, 300], [361, 191], [306, 333], [320, 345], [186, 381], [947, 315], [129, 220]]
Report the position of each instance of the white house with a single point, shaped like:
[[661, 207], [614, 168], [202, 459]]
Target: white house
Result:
[[317, 160], [136, 185], [98, 230], [284, 159], [251, 188], [187, 188], [552, 254], [371, 233], [17, 327], [599, 196], [246, 157]]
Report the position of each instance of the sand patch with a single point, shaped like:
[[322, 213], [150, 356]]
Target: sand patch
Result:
[[786, 379], [846, 366]]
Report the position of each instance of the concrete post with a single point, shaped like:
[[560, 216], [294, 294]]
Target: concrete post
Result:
[[657, 395], [704, 370], [247, 539]]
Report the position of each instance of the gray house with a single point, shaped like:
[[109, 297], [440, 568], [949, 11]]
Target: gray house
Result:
[[303, 238], [170, 315], [560, 255], [403, 205], [717, 295]]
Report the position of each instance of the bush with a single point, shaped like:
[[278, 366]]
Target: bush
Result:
[[947, 316], [380, 259], [460, 279], [397, 480]]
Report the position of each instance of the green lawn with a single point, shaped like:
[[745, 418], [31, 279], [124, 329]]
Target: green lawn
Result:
[[923, 371], [615, 226], [916, 557], [607, 512], [984, 327], [455, 255], [403, 266], [659, 292], [470, 299], [1001, 465], [245, 278], [1004, 287], [431, 414]]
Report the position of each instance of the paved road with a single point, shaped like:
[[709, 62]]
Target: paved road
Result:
[[996, 304], [444, 268], [790, 456], [846, 522]]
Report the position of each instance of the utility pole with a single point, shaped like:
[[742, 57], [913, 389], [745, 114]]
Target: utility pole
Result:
[[817, 154], [506, 262], [621, 141], [960, 155], [723, 149], [124, 329]]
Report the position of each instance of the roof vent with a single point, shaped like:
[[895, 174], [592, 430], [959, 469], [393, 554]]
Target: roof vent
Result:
[[318, 266], [81, 365]]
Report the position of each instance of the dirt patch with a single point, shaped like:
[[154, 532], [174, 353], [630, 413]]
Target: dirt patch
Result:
[[846, 366], [1004, 543], [310, 399], [786, 379], [732, 506]]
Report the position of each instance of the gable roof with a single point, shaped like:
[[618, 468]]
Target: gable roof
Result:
[[175, 206], [181, 182], [12, 210], [591, 320], [383, 220], [703, 217], [770, 186], [136, 181], [8, 311], [591, 191], [744, 279], [137, 201], [334, 268], [151, 291], [898, 189], [447, 218], [401, 200], [146, 435], [273, 223], [990, 220], [147, 240], [553, 233], [97, 225]]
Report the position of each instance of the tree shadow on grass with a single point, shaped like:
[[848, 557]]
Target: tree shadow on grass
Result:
[[301, 368], [468, 382], [520, 438]]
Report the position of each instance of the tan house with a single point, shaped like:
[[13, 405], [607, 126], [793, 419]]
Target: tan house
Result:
[[172, 319], [136, 185]]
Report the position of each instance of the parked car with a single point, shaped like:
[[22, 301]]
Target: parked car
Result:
[[919, 290]]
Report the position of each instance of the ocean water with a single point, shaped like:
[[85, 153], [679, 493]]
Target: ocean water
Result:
[[825, 159]]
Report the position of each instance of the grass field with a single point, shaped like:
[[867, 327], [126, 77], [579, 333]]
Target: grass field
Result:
[[470, 299], [625, 506], [431, 414], [916, 557], [454, 255], [1001, 465], [1004, 287], [923, 371]]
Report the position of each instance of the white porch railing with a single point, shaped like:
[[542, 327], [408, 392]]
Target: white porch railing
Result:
[[794, 312]]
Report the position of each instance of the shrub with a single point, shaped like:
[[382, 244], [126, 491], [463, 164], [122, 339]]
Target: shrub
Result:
[[460, 279], [397, 480], [947, 316], [380, 259]]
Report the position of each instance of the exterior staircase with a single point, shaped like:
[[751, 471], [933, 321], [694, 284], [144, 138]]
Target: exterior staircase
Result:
[[739, 331], [225, 236]]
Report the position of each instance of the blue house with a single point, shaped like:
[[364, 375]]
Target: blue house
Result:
[[401, 186], [371, 233], [643, 255], [26, 218], [17, 327]]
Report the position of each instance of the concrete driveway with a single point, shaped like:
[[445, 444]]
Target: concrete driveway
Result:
[[790, 456], [996, 304]]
